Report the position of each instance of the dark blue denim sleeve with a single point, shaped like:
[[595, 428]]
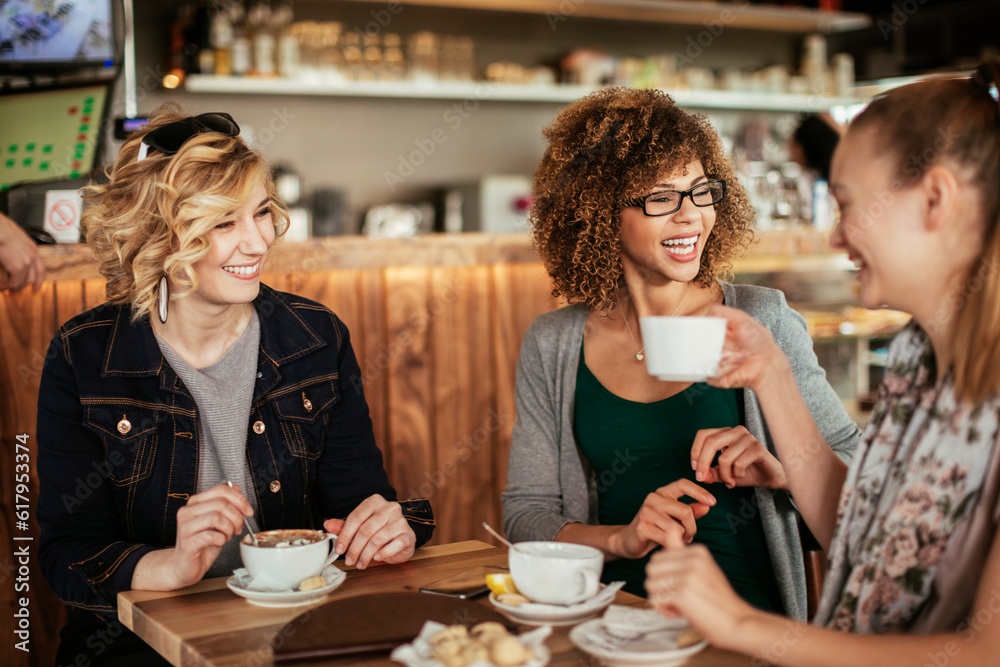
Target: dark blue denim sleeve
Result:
[[351, 468], [84, 555]]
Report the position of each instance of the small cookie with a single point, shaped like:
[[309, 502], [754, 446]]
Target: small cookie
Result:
[[451, 633], [489, 632], [319, 581], [688, 637], [475, 652], [507, 651], [513, 599]]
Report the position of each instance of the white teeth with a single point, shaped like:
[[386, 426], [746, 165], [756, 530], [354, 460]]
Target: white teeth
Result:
[[859, 263], [242, 270], [680, 246]]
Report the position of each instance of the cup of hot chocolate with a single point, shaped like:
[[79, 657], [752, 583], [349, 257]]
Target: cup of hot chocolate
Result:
[[288, 555]]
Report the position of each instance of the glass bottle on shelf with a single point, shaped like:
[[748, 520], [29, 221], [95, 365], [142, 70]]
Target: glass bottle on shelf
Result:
[[393, 63], [221, 37], [371, 58], [448, 56], [423, 50], [310, 37], [331, 58], [353, 56]]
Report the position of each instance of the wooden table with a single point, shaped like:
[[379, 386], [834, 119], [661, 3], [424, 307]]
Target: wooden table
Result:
[[206, 625]]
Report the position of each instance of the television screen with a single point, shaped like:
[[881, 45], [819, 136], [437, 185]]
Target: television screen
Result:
[[48, 134], [48, 33]]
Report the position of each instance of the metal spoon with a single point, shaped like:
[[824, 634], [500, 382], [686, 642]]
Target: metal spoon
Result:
[[497, 535], [249, 529]]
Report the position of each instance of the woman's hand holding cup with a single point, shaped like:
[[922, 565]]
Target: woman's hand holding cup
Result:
[[749, 355]]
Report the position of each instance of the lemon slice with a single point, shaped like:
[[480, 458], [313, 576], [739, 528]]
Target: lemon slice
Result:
[[501, 583]]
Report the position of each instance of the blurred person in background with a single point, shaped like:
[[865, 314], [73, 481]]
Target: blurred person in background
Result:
[[813, 143], [20, 263]]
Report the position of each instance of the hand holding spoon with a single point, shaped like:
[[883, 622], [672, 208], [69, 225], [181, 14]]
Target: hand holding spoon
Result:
[[245, 521]]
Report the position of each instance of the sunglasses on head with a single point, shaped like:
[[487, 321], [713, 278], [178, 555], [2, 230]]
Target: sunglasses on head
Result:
[[169, 138]]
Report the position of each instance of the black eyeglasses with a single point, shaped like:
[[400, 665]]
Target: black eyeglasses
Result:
[[169, 138], [666, 202]]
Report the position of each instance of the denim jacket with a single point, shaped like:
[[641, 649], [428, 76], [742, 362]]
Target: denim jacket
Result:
[[118, 442]]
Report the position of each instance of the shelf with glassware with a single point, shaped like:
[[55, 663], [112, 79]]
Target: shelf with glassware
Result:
[[484, 91], [741, 15]]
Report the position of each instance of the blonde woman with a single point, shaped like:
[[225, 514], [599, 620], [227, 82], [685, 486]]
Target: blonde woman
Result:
[[911, 526], [194, 374]]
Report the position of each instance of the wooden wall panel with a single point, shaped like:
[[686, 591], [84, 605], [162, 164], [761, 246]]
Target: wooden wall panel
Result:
[[373, 359], [94, 293], [523, 292], [407, 358], [437, 347], [27, 324], [465, 423]]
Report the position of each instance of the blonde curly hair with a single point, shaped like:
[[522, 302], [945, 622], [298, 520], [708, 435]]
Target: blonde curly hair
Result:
[[610, 146], [153, 217]]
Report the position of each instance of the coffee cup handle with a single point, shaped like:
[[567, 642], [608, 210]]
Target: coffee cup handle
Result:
[[333, 552], [591, 582]]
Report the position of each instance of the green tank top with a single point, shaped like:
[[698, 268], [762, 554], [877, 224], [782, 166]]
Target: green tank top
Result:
[[635, 448]]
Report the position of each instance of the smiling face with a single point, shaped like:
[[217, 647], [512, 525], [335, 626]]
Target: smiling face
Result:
[[903, 232], [880, 220], [230, 273], [668, 247]]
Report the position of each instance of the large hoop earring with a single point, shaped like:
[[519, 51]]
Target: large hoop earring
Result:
[[162, 300]]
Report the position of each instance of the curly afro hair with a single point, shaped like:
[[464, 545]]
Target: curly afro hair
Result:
[[603, 149]]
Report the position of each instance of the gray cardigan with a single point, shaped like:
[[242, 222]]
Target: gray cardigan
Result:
[[549, 482]]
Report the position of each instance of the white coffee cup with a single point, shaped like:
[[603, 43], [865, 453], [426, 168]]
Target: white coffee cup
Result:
[[556, 572], [288, 565], [683, 349]]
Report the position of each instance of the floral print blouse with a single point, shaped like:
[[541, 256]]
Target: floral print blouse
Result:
[[925, 463]]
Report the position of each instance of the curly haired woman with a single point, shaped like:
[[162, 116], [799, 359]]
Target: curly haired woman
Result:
[[194, 374], [637, 212]]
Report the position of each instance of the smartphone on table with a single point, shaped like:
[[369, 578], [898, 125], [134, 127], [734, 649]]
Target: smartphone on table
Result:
[[465, 585]]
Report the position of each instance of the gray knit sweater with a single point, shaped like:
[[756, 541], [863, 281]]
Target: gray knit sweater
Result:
[[549, 482]]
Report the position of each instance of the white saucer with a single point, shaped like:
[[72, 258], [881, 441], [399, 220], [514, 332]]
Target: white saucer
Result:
[[656, 648], [334, 577], [534, 613]]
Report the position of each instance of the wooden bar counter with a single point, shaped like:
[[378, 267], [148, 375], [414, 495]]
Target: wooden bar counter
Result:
[[436, 323]]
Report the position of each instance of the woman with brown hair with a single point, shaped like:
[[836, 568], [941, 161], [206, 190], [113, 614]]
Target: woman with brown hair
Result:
[[638, 212], [911, 525]]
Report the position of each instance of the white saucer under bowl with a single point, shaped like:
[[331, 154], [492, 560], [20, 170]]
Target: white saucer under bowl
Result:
[[534, 613], [655, 648], [334, 577]]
